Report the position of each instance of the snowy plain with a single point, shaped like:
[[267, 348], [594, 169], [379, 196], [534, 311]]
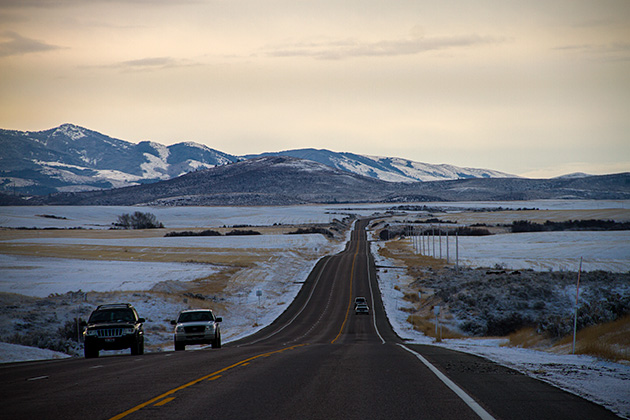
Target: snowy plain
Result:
[[603, 382]]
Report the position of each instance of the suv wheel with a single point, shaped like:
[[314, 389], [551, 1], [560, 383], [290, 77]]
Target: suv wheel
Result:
[[137, 347], [180, 346], [89, 352]]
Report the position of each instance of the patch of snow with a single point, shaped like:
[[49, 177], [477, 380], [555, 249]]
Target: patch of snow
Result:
[[367, 170], [71, 131], [40, 277], [306, 165], [162, 150], [154, 167], [16, 353], [19, 182], [195, 164]]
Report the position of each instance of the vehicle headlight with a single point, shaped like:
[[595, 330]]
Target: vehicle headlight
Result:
[[179, 329], [91, 333], [128, 330], [210, 327]]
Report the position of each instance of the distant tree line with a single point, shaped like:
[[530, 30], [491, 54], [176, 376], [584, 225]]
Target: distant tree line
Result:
[[191, 233], [209, 232]]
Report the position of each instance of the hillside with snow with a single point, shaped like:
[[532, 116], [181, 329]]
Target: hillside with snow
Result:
[[391, 169]]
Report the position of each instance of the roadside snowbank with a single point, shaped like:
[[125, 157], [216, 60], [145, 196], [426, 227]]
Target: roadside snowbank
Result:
[[16, 353]]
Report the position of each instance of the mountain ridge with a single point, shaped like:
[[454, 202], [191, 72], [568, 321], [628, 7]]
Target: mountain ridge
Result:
[[70, 158], [286, 180]]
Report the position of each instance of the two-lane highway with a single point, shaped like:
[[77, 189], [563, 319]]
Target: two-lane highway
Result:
[[318, 360]]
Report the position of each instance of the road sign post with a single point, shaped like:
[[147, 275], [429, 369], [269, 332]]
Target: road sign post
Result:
[[436, 310]]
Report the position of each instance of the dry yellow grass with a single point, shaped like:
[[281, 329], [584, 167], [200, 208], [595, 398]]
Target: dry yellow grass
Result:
[[402, 251], [426, 325], [527, 338], [609, 341]]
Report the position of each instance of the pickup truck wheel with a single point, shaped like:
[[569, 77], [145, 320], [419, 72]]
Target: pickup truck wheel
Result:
[[179, 346], [216, 343]]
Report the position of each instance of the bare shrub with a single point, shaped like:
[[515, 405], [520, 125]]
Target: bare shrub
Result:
[[137, 220], [411, 297]]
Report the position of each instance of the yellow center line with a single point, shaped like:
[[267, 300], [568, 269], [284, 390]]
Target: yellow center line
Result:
[[164, 401], [196, 381], [354, 260]]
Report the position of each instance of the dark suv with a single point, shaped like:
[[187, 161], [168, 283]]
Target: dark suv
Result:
[[114, 327]]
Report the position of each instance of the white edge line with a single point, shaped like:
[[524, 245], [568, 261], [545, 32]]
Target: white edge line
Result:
[[367, 256], [457, 390], [300, 311]]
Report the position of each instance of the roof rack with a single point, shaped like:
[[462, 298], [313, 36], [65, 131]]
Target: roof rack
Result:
[[114, 305]]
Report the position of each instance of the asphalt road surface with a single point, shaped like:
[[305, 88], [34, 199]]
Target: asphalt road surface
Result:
[[317, 361]]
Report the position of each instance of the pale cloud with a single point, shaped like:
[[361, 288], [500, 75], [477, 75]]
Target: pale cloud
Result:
[[349, 48], [50, 4], [149, 64], [12, 43], [614, 51]]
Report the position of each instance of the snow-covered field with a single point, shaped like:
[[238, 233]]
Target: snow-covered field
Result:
[[608, 251], [37, 276], [99, 217], [204, 217], [293, 258]]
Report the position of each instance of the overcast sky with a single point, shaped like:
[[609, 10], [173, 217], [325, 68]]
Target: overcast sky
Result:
[[533, 88]]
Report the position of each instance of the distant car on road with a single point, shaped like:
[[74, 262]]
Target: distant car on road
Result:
[[360, 300], [113, 327], [197, 326], [361, 309]]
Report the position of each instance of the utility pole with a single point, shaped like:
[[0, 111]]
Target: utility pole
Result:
[[456, 252], [577, 295], [447, 259]]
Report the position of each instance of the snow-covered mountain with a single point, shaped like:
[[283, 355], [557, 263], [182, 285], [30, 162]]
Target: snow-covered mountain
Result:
[[70, 158]]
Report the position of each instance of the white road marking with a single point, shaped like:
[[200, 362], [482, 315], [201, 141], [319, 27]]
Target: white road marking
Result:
[[37, 378], [367, 256], [483, 414], [299, 312]]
